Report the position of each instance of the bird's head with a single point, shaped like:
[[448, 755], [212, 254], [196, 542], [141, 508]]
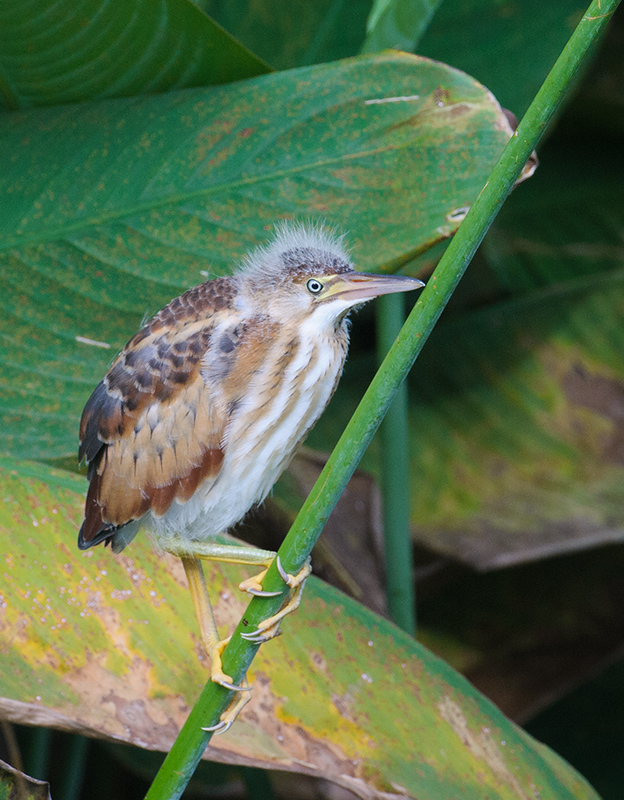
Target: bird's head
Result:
[[306, 273]]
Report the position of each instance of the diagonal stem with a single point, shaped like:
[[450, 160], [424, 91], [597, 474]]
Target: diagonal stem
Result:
[[180, 763]]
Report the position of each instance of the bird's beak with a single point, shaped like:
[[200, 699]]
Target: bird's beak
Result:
[[362, 286]]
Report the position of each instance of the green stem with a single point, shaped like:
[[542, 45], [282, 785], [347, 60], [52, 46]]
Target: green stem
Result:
[[37, 753], [394, 440], [188, 748], [70, 784]]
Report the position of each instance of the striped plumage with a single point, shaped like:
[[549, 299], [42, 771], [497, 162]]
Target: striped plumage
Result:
[[203, 409]]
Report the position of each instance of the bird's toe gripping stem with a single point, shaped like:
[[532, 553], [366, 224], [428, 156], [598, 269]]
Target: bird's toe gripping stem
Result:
[[239, 701], [253, 586], [228, 716], [270, 627]]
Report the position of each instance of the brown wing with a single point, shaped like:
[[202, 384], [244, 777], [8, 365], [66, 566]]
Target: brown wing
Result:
[[152, 430]]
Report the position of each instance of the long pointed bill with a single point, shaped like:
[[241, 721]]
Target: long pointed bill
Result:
[[361, 286]]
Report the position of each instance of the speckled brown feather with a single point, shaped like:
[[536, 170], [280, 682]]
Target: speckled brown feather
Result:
[[153, 429], [203, 409]]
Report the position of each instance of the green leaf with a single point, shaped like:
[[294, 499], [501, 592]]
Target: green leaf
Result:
[[565, 225], [14, 785], [521, 434], [532, 460], [116, 206], [515, 423], [59, 52], [96, 644], [598, 105], [508, 46], [398, 24], [288, 34]]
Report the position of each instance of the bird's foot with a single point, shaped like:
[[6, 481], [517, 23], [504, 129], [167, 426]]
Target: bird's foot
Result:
[[253, 586], [240, 700], [294, 580], [217, 675], [270, 627]]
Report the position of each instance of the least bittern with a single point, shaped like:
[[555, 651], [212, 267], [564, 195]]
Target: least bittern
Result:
[[202, 411]]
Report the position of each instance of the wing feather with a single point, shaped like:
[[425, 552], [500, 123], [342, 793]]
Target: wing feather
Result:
[[153, 429]]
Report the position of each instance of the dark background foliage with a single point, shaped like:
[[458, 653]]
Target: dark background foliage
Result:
[[527, 603]]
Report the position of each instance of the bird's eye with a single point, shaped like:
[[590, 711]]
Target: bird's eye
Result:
[[314, 286]]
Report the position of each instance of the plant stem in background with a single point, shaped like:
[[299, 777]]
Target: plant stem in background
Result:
[[70, 787], [37, 753], [394, 460], [180, 763]]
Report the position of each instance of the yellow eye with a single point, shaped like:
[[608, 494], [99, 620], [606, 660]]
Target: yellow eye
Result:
[[314, 286]]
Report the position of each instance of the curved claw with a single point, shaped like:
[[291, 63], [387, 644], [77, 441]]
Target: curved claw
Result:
[[221, 727], [232, 686], [253, 586], [259, 636], [255, 639], [293, 580], [285, 576], [231, 712], [261, 593]]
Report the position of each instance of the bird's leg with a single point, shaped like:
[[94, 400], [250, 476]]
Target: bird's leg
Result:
[[213, 646], [235, 554], [229, 554], [205, 618]]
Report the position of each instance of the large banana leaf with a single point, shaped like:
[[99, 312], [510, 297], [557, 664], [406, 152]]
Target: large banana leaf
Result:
[[508, 46], [107, 646], [62, 52], [111, 208], [398, 24], [288, 34], [532, 405], [516, 444], [517, 428]]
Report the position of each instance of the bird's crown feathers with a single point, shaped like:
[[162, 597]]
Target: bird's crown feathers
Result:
[[297, 249]]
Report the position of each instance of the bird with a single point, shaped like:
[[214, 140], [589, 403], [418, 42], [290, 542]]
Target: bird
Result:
[[205, 406]]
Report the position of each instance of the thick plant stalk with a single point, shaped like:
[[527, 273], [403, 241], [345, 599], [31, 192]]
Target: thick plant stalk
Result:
[[394, 460], [180, 763]]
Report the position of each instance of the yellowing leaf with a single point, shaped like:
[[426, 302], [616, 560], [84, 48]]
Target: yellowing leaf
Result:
[[107, 645]]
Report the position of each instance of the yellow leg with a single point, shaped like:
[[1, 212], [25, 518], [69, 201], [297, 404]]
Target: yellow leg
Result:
[[228, 554], [213, 646], [233, 554], [191, 552]]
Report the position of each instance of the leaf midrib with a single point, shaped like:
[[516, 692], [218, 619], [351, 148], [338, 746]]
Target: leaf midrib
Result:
[[173, 200]]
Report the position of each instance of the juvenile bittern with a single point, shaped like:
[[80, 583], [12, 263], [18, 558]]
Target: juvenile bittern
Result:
[[202, 411]]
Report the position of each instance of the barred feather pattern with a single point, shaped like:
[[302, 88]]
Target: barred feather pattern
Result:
[[205, 406]]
